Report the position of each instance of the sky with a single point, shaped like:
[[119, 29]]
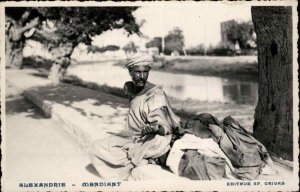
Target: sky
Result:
[[200, 23]]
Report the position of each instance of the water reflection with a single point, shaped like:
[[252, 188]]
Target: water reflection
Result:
[[181, 86], [201, 88], [207, 88], [240, 92]]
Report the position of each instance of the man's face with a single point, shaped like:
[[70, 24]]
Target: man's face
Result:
[[139, 75]]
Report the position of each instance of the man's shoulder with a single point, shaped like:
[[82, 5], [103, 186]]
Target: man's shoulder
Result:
[[156, 98], [154, 89], [155, 92]]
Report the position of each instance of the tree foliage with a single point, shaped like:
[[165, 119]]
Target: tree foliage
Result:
[[130, 48], [76, 24], [243, 33], [97, 49], [174, 41], [197, 50], [155, 42], [63, 28], [80, 24]]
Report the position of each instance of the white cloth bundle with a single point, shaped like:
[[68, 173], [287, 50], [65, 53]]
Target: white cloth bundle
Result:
[[203, 146]]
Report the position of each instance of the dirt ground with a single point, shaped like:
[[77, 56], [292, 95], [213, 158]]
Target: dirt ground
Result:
[[36, 148]]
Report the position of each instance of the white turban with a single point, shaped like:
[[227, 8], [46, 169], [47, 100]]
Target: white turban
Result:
[[140, 60]]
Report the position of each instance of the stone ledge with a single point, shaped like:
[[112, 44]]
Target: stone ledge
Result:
[[45, 106], [83, 113]]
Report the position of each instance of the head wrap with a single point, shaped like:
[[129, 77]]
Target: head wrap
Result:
[[140, 60]]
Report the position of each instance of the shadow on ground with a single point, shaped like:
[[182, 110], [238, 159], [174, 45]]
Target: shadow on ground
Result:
[[74, 80], [16, 105], [80, 99], [90, 168]]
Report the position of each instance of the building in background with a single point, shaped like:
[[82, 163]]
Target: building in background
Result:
[[225, 26]]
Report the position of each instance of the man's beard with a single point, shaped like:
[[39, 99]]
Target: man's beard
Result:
[[140, 83]]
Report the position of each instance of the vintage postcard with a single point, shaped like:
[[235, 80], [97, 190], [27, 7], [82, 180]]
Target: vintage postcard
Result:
[[149, 96]]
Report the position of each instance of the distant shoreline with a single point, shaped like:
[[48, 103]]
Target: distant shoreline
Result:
[[239, 67]]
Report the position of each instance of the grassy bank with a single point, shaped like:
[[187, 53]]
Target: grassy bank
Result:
[[239, 66], [217, 66]]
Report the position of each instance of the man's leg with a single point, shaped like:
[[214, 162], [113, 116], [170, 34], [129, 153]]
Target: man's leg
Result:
[[109, 158]]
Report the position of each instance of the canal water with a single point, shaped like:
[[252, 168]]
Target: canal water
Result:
[[181, 86]]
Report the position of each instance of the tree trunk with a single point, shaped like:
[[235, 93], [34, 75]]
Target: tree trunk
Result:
[[8, 52], [62, 60], [15, 38], [14, 47], [273, 124]]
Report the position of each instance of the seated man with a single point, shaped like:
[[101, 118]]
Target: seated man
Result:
[[148, 129]]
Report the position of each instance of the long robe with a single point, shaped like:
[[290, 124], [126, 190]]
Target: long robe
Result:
[[115, 156]]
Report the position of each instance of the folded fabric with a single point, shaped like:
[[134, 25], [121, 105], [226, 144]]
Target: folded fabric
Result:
[[196, 166], [247, 154], [199, 126], [206, 147]]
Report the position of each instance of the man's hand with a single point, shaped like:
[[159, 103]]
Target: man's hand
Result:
[[149, 129], [159, 119], [153, 129]]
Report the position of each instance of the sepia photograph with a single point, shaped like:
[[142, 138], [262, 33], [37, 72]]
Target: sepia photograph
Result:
[[149, 96]]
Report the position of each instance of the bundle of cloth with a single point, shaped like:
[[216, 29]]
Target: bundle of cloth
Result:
[[207, 150], [199, 159]]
